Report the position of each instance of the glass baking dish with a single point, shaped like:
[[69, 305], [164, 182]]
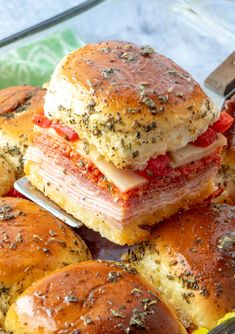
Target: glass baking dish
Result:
[[198, 35]]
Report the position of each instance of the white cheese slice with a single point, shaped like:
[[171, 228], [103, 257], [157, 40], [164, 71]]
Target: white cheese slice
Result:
[[124, 180], [192, 152]]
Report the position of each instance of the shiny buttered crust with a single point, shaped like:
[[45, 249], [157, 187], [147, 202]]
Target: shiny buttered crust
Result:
[[191, 260], [7, 177], [32, 244], [92, 298], [139, 229], [17, 105], [129, 101]]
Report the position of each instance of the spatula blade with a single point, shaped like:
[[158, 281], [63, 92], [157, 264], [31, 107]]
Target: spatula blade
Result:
[[227, 327], [24, 187]]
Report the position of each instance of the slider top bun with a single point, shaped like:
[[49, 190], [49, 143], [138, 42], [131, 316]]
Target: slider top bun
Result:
[[17, 105], [191, 260], [92, 298], [128, 101], [32, 244]]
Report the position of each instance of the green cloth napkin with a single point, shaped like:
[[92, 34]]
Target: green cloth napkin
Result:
[[34, 63]]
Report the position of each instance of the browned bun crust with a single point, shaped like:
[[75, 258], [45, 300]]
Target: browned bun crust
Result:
[[17, 105], [191, 260], [7, 177], [92, 297], [32, 244], [131, 102]]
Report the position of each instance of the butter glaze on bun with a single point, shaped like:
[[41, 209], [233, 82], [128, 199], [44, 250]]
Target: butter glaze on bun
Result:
[[191, 260], [129, 101], [17, 105], [32, 244], [92, 298]]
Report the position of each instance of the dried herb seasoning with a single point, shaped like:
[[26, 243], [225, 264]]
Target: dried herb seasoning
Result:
[[71, 299], [138, 318], [135, 154], [150, 127], [19, 238], [148, 102], [87, 320], [137, 292], [127, 56], [180, 94], [147, 50], [114, 276], [117, 314], [164, 98], [107, 72], [6, 213], [133, 110], [226, 242]]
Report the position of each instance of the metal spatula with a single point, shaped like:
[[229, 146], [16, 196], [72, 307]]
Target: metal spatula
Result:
[[227, 327], [24, 187]]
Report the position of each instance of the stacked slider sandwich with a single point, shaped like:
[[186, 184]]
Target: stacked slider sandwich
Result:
[[127, 139]]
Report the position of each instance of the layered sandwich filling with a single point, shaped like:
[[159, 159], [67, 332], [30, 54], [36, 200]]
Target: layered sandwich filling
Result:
[[76, 169]]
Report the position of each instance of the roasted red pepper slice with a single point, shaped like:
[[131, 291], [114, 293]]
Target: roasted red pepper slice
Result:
[[224, 123], [206, 138], [41, 120], [159, 166], [65, 131]]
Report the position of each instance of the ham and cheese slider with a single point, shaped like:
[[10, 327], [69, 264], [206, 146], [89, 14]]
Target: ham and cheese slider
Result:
[[126, 140], [190, 259], [92, 297]]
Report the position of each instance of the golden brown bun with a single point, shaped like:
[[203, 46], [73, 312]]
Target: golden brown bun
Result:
[[32, 244], [92, 298], [7, 177], [130, 102], [191, 260], [139, 229], [17, 105]]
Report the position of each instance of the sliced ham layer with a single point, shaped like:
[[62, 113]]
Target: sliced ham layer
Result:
[[87, 195], [67, 156]]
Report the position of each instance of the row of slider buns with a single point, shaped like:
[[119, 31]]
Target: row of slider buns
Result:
[[94, 297], [137, 317], [50, 284]]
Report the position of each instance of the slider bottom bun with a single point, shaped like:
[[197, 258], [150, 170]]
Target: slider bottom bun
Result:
[[7, 177], [92, 297], [33, 243], [190, 259], [130, 234]]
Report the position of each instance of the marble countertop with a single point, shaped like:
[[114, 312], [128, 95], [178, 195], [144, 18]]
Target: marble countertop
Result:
[[197, 34]]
